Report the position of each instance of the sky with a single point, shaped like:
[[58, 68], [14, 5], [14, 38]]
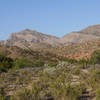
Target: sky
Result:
[[54, 17]]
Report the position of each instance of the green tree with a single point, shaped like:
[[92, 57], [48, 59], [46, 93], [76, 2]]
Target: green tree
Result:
[[95, 57], [83, 63]]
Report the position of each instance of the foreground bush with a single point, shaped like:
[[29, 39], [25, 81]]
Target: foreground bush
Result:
[[32, 93], [94, 79], [98, 94]]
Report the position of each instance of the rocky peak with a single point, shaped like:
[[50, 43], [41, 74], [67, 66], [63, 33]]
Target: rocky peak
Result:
[[92, 30]]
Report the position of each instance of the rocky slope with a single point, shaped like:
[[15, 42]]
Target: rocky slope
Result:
[[78, 51]]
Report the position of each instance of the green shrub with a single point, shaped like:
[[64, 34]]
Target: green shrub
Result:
[[38, 63], [28, 94], [3, 98], [95, 57], [2, 94], [63, 64], [71, 61], [64, 91], [22, 63], [52, 64], [5, 63], [83, 63], [94, 79], [98, 94], [76, 71]]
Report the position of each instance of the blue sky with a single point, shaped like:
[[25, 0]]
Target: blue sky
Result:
[[55, 17]]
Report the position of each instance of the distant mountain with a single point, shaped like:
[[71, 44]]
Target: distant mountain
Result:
[[36, 39], [30, 38], [87, 34], [92, 30]]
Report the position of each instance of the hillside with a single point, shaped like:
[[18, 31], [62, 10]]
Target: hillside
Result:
[[76, 51], [33, 54], [36, 66]]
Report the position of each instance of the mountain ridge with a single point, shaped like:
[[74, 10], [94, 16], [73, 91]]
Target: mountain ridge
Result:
[[32, 37]]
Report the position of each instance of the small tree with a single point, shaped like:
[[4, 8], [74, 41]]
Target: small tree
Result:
[[83, 63], [95, 57], [72, 61]]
